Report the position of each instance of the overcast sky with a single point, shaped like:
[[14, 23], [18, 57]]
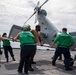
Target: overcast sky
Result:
[[62, 13]]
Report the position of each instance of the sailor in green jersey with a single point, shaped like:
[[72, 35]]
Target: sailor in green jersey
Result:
[[64, 41], [28, 48], [7, 48]]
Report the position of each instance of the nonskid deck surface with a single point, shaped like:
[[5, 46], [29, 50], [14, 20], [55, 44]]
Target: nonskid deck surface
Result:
[[43, 64]]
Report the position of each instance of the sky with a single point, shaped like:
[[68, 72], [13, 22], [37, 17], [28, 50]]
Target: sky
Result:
[[62, 13]]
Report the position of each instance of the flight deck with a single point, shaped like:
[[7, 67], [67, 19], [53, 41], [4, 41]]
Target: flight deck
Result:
[[43, 64]]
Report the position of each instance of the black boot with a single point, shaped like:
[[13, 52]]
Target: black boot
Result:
[[13, 59], [33, 62], [19, 71], [30, 69]]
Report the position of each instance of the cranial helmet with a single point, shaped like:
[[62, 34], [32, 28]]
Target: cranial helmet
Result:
[[26, 28]]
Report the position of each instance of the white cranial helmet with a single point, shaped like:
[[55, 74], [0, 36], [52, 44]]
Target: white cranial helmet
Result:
[[26, 27]]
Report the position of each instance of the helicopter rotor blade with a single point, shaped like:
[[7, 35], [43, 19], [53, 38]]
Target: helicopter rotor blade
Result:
[[30, 17], [38, 4], [36, 11], [36, 17], [43, 3]]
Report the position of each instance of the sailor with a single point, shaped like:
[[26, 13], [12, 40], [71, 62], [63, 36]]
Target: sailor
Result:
[[28, 48], [7, 48], [37, 38], [64, 41]]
